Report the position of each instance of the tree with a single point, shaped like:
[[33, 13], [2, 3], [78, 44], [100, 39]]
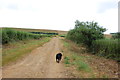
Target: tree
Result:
[[86, 32]]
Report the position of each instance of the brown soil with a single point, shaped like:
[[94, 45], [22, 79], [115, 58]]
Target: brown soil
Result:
[[40, 63], [102, 67]]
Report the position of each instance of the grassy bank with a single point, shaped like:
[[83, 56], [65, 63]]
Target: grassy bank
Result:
[[72, 59], [86, 65], [13, 51]]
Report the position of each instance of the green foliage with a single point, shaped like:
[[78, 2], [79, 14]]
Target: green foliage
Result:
[[66, 60], [66, 44], [64, 35], [116, 35], [91, 35], [83, 66], [9, 35], [86, 33], [109, 48]]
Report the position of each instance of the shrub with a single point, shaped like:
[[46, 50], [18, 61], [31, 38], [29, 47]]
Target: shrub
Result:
[[86, 33]]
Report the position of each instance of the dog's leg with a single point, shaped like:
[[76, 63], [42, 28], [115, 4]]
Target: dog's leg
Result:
[[57, 60]]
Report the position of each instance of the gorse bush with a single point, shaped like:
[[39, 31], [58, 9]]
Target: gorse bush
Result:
[[109, 48], [9, 35]]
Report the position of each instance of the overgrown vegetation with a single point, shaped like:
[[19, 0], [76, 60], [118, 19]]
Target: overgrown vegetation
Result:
[[9, 35], [108, 48], [86, 33], [91, 35], [116, 35]]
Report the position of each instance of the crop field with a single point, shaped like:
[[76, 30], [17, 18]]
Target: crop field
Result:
[[10, 35], [40, 30], [107, 47]]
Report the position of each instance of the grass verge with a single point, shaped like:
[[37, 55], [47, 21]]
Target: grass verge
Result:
[[14, 51], [74, 60], [85, 65]]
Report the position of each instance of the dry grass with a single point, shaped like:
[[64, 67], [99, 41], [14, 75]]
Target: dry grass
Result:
[[108, 35]]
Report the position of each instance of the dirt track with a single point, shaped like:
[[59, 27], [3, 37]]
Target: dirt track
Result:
[[40, 63]]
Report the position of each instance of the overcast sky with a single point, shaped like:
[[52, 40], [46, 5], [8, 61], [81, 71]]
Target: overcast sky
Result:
[[58, 14]]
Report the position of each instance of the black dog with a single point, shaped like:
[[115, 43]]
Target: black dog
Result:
[[58, 57]]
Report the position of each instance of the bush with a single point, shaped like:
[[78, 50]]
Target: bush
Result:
[[91, 35], [86, 33]]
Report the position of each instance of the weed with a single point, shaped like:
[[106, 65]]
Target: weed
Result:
[[66, 60], [83, 66]]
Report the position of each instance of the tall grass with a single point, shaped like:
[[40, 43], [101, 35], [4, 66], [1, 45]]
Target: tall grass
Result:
[[108, 48], [9, 35]]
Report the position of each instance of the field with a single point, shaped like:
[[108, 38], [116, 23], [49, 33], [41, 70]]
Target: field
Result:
[[108, 48], [10, 35], [40, 30], [33, 56], [108, 36]]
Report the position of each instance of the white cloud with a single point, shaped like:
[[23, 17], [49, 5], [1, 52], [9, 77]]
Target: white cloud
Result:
[[55, 14], [109, 20]]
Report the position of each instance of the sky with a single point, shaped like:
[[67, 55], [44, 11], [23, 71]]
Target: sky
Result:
[[58, 14]]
